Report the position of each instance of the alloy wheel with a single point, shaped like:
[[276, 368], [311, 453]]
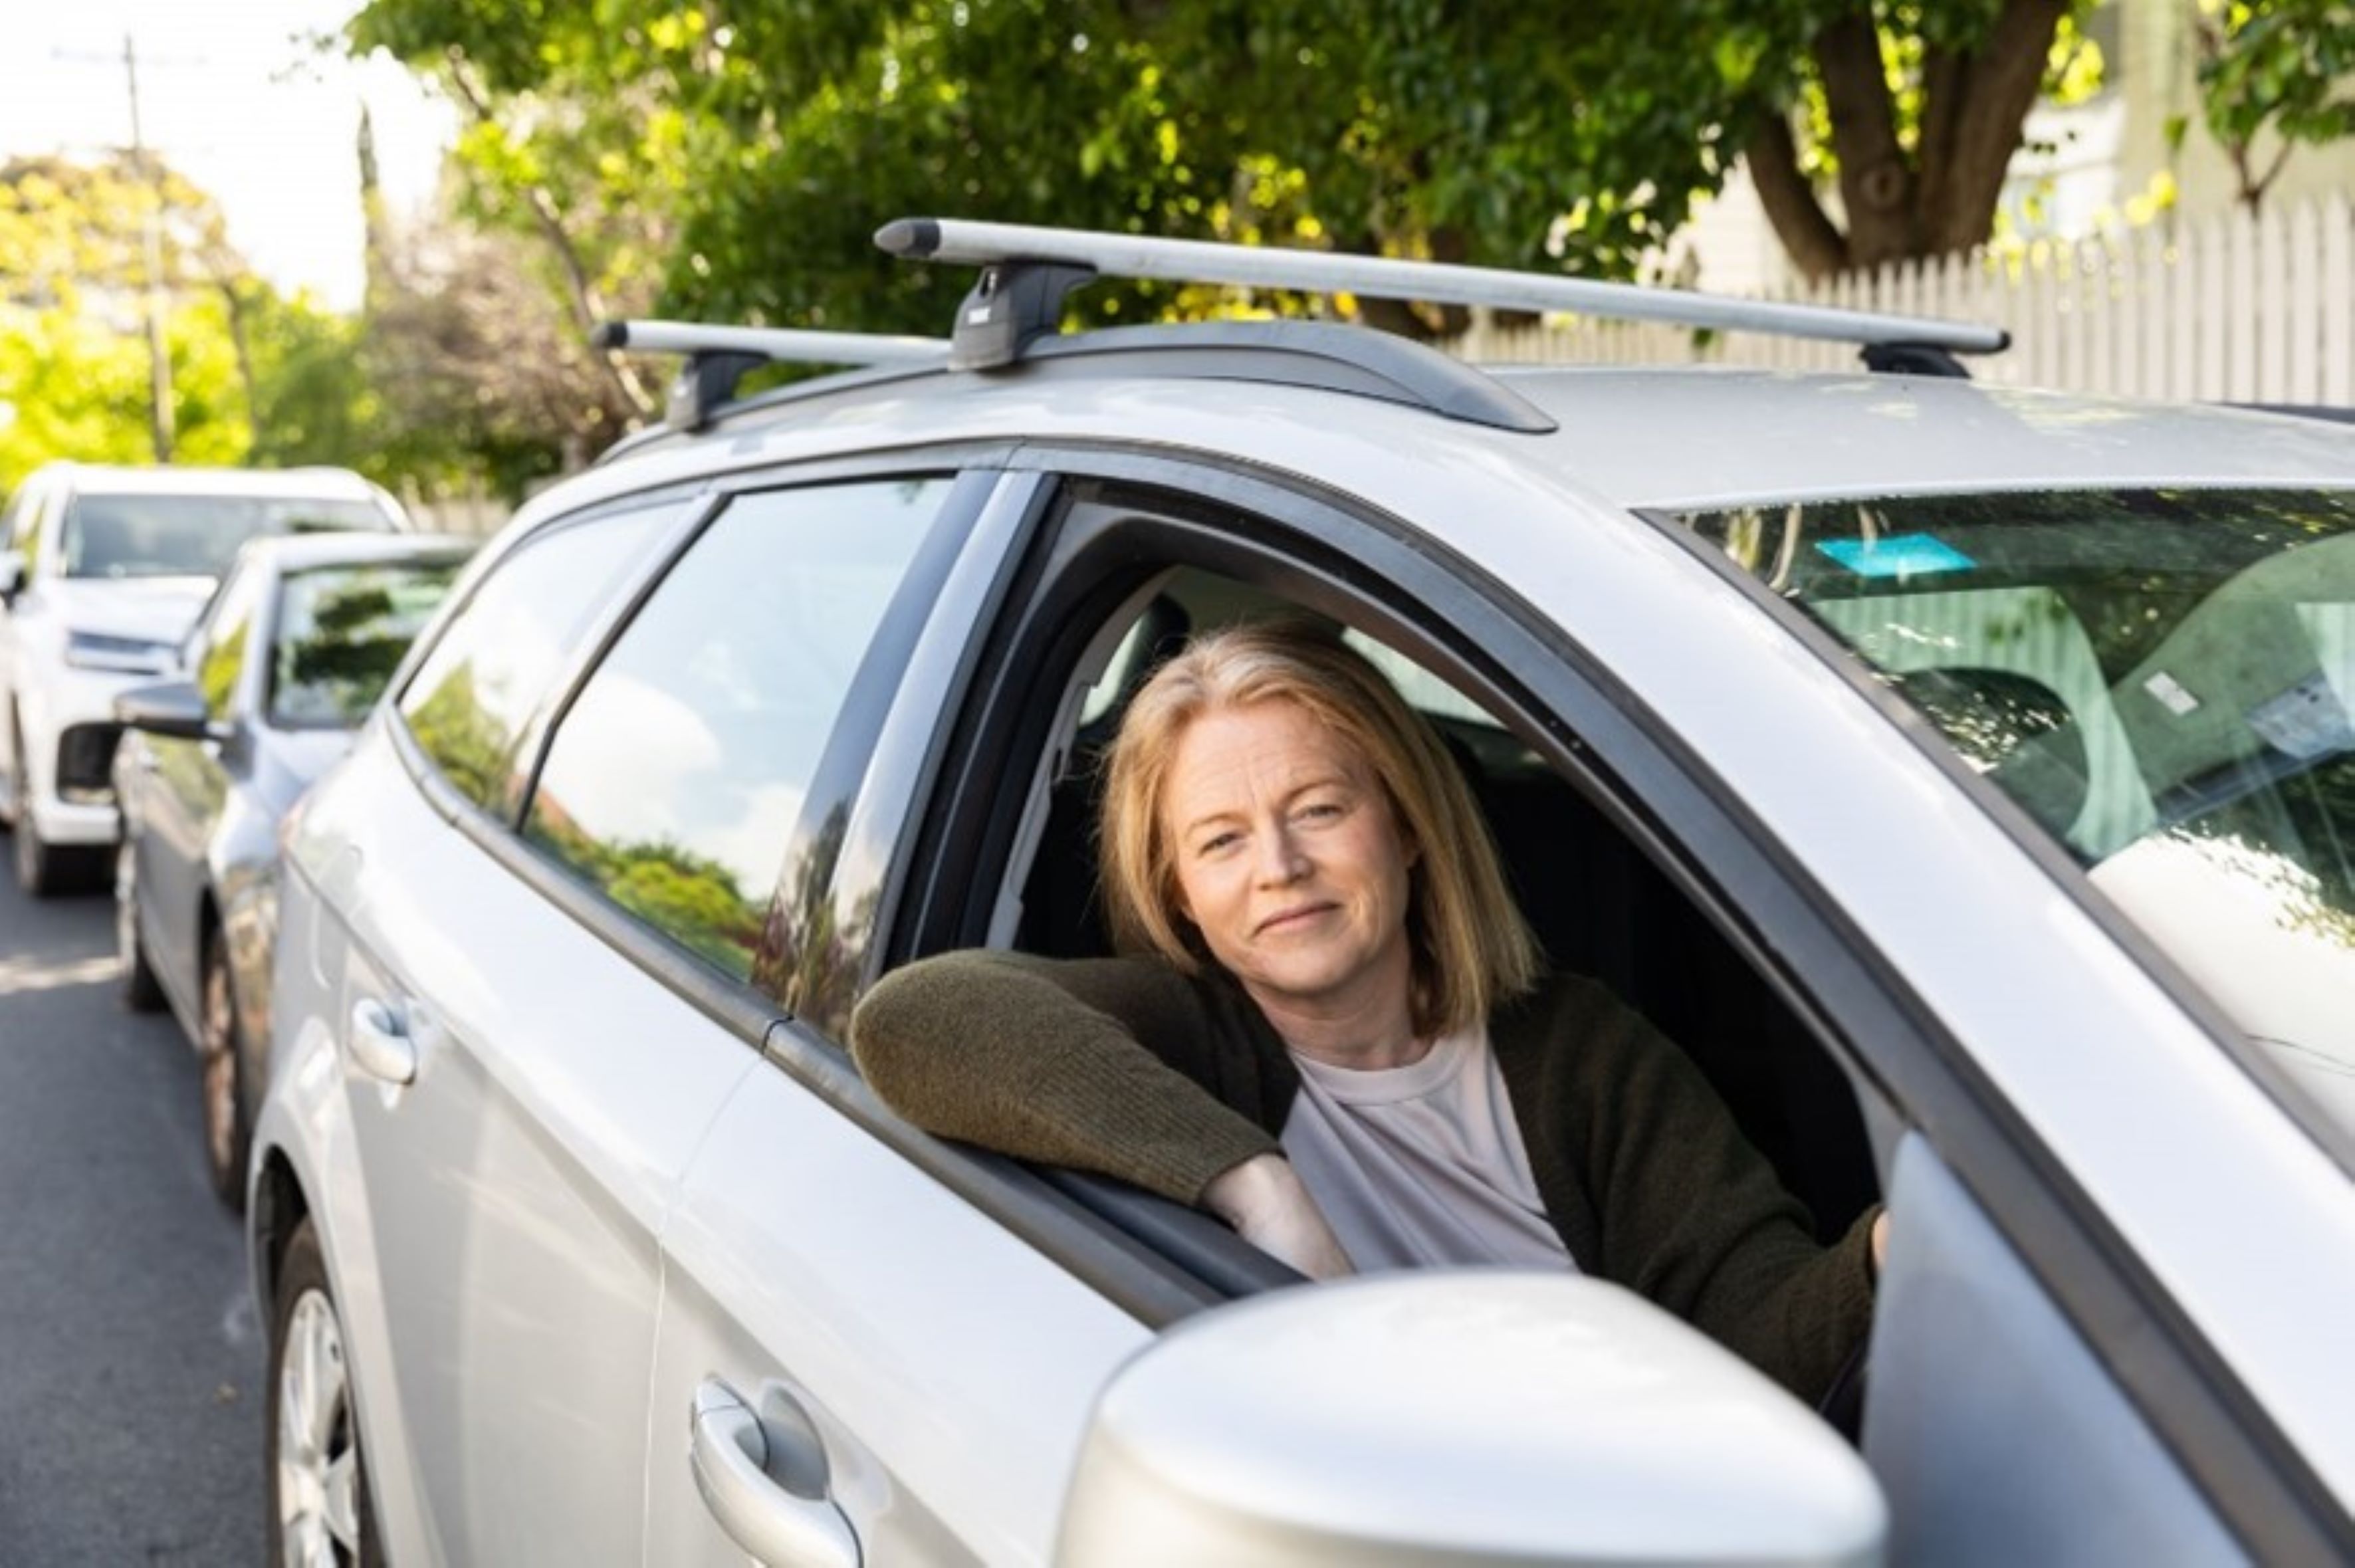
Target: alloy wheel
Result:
[[318, 1443]]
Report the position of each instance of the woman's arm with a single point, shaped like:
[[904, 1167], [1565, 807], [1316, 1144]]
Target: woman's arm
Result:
[[1692, 1216], [1098, 1064]]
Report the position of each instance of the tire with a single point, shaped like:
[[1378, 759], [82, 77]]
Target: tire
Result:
[[222, 1058], [140, 992], [40, 864], [320, 1513]]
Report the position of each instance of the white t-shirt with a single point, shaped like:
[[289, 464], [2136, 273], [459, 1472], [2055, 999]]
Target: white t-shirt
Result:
[[1420, 1166]]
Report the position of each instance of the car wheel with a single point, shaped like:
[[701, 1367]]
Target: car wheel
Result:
[[40, 866], [220, 1045], [140, 993], [319, 1515]]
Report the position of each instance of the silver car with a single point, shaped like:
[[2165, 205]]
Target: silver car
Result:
[[1964, 777], [284, 664]]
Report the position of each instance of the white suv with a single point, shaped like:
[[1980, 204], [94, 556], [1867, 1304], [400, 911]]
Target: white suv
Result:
[[102, 572], [1962, 776]]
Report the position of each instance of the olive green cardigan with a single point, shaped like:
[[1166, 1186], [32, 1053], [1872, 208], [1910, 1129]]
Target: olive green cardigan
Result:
[[1640, 1167]]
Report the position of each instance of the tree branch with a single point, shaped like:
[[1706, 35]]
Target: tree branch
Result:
[[587, 307], [1876, 180], [2006, 75], [1810, 238]]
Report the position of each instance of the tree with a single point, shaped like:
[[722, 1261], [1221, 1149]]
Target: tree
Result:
[[750, 149], [2275, 64], [72, 353]]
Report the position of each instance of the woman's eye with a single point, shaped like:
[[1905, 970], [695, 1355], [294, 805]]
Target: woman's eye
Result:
[[1214, 845], [1321, 810]]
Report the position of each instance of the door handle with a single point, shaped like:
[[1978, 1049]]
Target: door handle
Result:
[[380, 1044], [765, 1480]]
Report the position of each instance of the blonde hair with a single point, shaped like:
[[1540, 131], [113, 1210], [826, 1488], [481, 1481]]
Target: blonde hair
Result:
[[1472, 950]]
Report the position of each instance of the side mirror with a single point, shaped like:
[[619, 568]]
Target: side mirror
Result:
[[1472, 1417], [12, 576], [173, 708]]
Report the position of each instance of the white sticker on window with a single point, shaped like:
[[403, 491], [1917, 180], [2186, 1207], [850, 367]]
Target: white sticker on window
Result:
[[2171, 691]]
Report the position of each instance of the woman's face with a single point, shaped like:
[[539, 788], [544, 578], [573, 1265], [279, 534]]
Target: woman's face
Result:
[[1289, 861]]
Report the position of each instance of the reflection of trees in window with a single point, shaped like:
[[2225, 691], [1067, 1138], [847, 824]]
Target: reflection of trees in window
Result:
[[689, 897], [466, 742], [360, 630], [2294, 838], [815, 949], [216, 676]]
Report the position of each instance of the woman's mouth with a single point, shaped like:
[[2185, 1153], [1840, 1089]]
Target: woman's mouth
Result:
[[1285, 920]]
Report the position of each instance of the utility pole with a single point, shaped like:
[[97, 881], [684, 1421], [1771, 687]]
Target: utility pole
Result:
[[159, 355]]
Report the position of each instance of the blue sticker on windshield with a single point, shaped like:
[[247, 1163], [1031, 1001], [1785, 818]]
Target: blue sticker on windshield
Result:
[[1898, 555]]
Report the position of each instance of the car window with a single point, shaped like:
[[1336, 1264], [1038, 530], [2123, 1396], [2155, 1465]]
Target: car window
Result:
[[221, 648], [2162, 680], [674, 782], [471, 698], [341, 632], [191, 536]]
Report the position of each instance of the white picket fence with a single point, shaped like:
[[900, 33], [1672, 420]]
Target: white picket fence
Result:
[[2232, 309]]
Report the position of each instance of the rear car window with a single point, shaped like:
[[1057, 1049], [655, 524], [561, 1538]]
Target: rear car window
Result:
[[2164, 680], [192, 535], [341, 631]]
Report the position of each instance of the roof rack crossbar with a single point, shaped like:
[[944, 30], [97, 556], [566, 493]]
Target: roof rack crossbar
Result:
[[1381, 277], [720, 358]]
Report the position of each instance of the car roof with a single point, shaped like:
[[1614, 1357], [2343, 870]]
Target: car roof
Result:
[[1690, 437], [295, 484], [301, 552]]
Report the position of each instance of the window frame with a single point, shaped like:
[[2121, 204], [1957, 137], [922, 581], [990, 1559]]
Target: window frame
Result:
[[1388, 577]]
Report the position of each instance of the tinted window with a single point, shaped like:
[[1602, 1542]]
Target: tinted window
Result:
[[673, 782], [470, 700], [191, 536], [341, 631], [2163, 680]]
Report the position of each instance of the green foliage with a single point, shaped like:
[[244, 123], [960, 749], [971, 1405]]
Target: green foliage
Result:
[[2278, 66]]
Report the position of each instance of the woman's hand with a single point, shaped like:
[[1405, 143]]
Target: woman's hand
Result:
[[1265, 1202]]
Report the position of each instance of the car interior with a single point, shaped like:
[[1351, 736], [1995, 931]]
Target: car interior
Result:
[[1595, 900]]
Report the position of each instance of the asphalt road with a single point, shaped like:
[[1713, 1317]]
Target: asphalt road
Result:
[[130, 1356]]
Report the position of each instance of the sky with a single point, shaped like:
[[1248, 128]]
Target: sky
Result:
[[235, 98]]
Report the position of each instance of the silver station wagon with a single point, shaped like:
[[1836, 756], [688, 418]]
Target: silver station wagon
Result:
[[1963, 778]]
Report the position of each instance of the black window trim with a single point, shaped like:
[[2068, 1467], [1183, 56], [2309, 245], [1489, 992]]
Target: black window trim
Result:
[[2226, 1443]]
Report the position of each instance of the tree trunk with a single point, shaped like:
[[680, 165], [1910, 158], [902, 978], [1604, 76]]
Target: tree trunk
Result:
[[1877, 182], [1993, 91], [1810, 238]]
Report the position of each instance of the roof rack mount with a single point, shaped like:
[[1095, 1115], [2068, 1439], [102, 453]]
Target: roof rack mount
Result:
[[720, 358], [1010, 251]]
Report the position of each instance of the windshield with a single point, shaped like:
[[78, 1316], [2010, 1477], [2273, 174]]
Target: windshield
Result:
[[2162, 680], [341, 632], [191, 536]]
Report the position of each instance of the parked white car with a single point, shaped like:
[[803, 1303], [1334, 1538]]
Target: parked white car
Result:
[[102, 572], [1963, 776]]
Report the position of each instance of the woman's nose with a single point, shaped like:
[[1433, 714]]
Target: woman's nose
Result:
[[1281, 859]]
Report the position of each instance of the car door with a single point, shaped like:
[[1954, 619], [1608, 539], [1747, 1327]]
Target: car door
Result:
[[872, 1348], [517, 1104], [2052, 1370], [183, 782]]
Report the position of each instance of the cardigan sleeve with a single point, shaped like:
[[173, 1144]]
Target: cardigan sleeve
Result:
[[1105, 1064], [1686, 1211]]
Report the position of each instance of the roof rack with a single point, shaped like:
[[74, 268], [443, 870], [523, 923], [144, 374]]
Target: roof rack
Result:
[[720, 358], [1027, 271]]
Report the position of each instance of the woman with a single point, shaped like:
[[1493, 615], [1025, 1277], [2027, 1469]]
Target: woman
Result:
[[1333, 1029]]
